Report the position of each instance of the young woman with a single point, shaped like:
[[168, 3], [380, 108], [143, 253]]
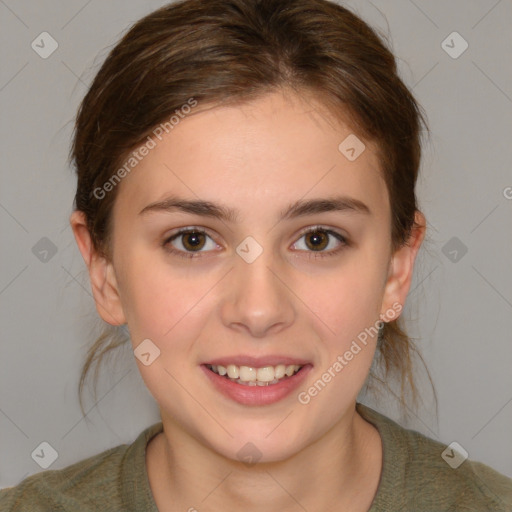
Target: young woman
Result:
[[246, 205]]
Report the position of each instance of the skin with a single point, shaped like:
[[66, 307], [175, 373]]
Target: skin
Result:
[[257, 158]]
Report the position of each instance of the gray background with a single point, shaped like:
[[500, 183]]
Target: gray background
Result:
[[459, 308]]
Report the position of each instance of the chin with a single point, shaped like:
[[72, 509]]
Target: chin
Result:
[[256, 445]]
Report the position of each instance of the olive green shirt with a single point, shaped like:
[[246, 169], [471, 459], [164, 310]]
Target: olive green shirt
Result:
[[415, 477]]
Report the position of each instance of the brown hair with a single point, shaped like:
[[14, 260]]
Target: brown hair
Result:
[[227, 51]]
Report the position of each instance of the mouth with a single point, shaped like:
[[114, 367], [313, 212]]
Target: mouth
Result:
[[252, 376], [256, 382]]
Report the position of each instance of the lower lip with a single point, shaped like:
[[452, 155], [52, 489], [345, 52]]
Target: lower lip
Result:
[[257, 395]]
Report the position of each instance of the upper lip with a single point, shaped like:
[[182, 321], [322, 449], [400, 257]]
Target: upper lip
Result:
[[256, 362]]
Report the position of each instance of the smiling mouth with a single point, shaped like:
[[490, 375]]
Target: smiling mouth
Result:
[[251, 376]]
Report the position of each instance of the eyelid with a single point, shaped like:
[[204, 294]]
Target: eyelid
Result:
[[188, 229], [342, 239], [321, 227]]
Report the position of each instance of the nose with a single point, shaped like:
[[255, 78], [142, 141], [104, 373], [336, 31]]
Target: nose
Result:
[[257, 300]]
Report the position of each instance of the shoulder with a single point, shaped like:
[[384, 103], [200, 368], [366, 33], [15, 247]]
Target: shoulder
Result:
[[68, 488], [434, 475], [430, 475], [87, 485]]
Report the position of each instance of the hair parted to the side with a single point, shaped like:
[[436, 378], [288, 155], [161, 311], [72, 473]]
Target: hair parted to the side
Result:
[[231, 51]]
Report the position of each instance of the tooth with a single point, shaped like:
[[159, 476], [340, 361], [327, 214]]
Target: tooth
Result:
[[279, 371], [265, 374], [254, 376], [259, 383], [233, 371], [247, 373], [290, 369]]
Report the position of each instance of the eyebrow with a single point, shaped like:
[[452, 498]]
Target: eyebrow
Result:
[[297, 209]]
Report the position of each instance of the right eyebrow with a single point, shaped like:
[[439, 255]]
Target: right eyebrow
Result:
[[203, 208]]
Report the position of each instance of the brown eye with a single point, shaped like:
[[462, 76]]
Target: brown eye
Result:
[[317, 240], [189, 243], [194, 241]]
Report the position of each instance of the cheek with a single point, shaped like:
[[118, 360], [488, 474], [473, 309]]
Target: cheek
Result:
[[159, 300], [348, 298], [346, 303], [348, 311]]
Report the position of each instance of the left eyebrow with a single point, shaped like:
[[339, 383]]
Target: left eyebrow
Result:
[[334, 204], [300, 208]]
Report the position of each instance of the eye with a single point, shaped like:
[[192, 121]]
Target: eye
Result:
[[321, 240], [188, 241], [191, 242]]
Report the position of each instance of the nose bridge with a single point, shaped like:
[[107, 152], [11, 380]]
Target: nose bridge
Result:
[[257, 300]]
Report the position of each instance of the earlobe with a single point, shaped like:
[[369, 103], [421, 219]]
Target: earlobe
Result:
[[101, 273], [402, 266]]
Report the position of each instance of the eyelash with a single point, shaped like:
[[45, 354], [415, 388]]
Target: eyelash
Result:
[[311, 254]]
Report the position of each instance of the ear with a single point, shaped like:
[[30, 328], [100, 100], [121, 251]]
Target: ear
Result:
[[401, 267], [101, 273]]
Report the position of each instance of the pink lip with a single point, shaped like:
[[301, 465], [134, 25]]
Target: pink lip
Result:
[[256, 395], [256, 362]]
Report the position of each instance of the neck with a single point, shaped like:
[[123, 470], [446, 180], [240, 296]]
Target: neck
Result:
[[339, 470]]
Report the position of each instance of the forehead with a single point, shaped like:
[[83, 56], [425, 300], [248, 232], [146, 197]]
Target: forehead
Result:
[[263, 153]]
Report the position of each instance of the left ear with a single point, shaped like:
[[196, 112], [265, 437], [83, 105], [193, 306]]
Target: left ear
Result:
[[402, 265]]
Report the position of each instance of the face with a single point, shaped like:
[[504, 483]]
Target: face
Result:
[[246, 242]]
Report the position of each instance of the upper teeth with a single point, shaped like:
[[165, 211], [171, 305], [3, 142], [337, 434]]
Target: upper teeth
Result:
[[251, 374]]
